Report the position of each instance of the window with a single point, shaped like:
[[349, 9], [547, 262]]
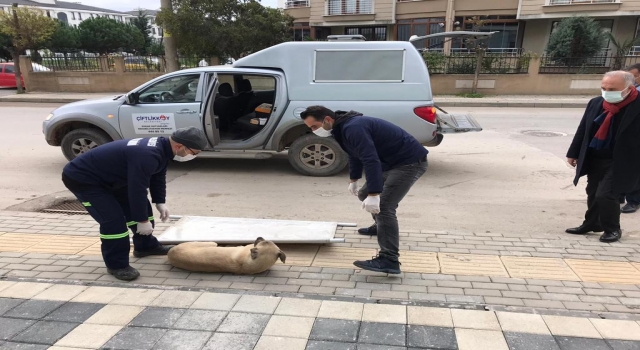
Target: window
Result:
[[322, 33], [48, 14], [261, 83], [73, 15], [420, 27], [370, 33], [180, 89], [301, 31], [80, 16], [8, 68], [347, 66], [605, 24], [62, 17], [153, 30], [506, 26]]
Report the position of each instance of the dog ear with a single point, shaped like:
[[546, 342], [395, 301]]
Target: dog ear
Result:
[[258, 240], [254, 253], [282, 256]]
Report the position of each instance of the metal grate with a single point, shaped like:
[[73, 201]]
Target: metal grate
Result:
[[70, 208], [349, 7]]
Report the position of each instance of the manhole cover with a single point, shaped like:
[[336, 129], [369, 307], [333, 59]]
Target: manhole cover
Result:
[[543, 133], [70, 208]]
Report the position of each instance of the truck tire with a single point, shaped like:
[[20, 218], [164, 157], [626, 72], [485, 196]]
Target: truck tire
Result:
[[79, 141], [317, 156]]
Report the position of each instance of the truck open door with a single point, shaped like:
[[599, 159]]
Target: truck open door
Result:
[[209, 120]]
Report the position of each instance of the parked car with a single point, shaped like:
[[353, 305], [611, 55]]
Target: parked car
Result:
[[8, 76], [253, 106]]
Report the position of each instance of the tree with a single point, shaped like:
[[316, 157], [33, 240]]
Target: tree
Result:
[[27, 28], [142, 23], [105, 35], [5, 43], [575, 40], [225, 28], [622, 49], [65, 39]]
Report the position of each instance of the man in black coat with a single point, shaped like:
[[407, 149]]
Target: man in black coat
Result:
[[606, 148]]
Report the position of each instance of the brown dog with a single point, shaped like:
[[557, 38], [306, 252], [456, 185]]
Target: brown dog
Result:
[[243, 260]]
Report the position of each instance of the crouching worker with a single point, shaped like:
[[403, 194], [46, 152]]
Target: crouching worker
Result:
[[112, 180]]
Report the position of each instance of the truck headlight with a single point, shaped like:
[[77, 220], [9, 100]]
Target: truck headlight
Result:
[[49, 117]]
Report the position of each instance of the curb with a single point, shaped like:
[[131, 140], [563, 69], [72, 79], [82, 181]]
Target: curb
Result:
[[441, 104]]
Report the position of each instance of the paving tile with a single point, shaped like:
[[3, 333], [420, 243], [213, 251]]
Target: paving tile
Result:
[[229, 341], [429, 316], [522, 323], [257, 304], [244, 323], [289, 326], [341, 310], [469, 264], [23, 346], [157, 317], [7, 304], [187, 340], [523, 267], [431, 337], [6, 284], [115, 315], [200, 320], [34, 309], [279, 343], [10, 327], [571, 326], [475, 319], [573, 343], [605, 271], [623, 344], [215, 301], [327, 329], [24, 290], [89, 336], [136, 297], [45, 332], [298, 307], [74, 312], [177, 299], [413, 261], [384, 313], [528, 341], [617, 329], [101, 295], [135, 338], [379, 347], [382, 334], [341, 257], [474, 339], [326, 345]]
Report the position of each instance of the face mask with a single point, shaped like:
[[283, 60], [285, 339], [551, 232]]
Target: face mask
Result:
[[186, 158], [613, 96], [322, 132]]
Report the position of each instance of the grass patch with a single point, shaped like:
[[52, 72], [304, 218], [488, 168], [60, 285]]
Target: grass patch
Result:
[[470, 95]]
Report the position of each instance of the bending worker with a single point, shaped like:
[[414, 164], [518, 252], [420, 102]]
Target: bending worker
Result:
[[112, 180]]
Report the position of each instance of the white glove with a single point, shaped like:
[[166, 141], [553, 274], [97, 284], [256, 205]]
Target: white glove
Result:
[[164, 211], [145, 228], [353, 188], [372, 204]]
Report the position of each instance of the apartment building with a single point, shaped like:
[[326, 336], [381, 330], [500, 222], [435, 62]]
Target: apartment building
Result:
[[156, 31], [71, 13], [521, 24]]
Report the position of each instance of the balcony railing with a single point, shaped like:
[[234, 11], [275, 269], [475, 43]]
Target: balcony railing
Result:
[[349, 7], [296, 4], [580, 2]]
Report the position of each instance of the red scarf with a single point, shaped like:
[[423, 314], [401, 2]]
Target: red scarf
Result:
[[611, 110]]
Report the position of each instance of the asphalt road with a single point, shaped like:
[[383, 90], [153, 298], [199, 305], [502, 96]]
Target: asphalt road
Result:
[[500, 180]]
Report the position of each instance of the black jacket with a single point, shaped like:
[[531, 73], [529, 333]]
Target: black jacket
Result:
[[626, 150]]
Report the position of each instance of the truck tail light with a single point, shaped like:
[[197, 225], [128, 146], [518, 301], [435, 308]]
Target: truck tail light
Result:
[[427, 113]]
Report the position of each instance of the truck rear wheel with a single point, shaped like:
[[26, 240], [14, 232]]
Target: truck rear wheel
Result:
[[317, 156], [79, 141]]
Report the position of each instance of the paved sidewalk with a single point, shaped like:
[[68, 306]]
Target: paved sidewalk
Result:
[[442, 100], [65, 316]]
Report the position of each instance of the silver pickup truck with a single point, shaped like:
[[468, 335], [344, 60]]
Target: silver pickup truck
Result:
[[253, 106]]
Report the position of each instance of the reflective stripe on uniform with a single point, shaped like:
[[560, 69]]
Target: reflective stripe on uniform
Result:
[[86, 204], [131, 223], [117, 236], [151, 218]]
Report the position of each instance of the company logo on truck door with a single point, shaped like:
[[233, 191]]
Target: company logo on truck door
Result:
[[153, 123], [162, 117]]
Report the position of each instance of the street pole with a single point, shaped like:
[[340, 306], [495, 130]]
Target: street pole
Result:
[[170, 49]]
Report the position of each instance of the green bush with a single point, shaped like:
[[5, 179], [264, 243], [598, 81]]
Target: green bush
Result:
[[575, 40]]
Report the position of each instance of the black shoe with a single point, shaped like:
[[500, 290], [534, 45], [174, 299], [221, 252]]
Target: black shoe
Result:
[[159, 250], [629, 208], [609, 237], [369, 231], [379, 264], [581, 230], [126, 274]]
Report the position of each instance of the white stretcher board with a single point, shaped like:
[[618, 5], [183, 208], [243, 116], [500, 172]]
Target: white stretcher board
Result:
[[245, 231]]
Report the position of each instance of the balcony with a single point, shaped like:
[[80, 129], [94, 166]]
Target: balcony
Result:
[[349, 7], [293, 4], [580, 2]]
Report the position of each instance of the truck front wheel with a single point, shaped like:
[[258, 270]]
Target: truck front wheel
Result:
[[79, 141], [317, 156]]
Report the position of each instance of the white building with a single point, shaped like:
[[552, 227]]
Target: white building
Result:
[[156, 32], [69, 12]]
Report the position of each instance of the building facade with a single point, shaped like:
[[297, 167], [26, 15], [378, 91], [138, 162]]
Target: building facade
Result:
[[68, 12], [156, 32], [522, 25]]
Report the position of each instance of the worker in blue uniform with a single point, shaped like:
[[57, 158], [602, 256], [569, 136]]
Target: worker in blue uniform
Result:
[[112, 180]]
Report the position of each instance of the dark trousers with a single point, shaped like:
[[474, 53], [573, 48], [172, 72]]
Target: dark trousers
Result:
[[632, 198], [110, 208], [397, 183], [603, 204]]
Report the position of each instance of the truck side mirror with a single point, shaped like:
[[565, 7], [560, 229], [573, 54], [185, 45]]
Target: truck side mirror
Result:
[[131, 98]]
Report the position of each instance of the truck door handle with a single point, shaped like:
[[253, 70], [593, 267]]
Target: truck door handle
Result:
[[185, 111]]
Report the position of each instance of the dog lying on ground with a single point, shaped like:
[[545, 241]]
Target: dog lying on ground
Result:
[[208, 257]]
